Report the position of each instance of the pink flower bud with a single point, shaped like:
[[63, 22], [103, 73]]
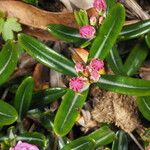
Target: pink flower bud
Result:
[[94, 75], [87, 31], [79, 67], [93, 20], [96, 64], [101, 18], [77, 83], [24, 146], [100, 5]]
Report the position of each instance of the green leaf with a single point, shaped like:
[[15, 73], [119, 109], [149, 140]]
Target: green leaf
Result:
[[2, 21], [46, 55], [83, 143], [136, 58], [110, 4], [8, 61], [44, 97], [11, 25], [44, 118], [143, 104], [135, 30], [121, 143], [147, 38], [102, 136], [68, 111], [33, 138], [62, 141], [67, 34], [33, 2], [115, 62], [8, 114], [124, 85], [23, 97], [108, 33], [81, 17]]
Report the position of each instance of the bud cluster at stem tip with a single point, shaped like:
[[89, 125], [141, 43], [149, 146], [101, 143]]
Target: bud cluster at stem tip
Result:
[[24, 146], [87, 74]]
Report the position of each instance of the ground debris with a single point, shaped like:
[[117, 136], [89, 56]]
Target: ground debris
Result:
[[115, 108]]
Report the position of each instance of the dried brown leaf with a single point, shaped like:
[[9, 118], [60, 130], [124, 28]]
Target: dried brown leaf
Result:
[[37, 18]]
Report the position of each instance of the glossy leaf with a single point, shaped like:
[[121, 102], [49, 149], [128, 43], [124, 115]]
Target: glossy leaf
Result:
[[143, 104], [115, 62], [23, 97], [110, 4], [8, 114], [124, 85], [83, 143], [147, 38], [44, 118], [69, 111], [121, 143], [102, 136], [81, 17], [136, 58], [108, 33], [65, 33], [46, 55], [8, 61], [44, 97], [135, 30], [33, 138], [62, 141]]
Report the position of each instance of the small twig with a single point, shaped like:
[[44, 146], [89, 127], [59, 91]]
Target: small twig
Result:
[[136, 142]]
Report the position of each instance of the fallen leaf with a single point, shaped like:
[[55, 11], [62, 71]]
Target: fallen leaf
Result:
[[37, 18]]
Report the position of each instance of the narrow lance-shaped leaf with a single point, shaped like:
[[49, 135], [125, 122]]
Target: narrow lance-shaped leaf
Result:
[[46, 55], [136, 58], [124, 85], [83, 143], [33, 138], [44, 97], [97, 139], [143, 104], [121, 143], [67, 34], [110, 4], [102, 136], [8, 114], [115, 62], [68, 111], [147, 38], [8, 61], [23, 97], [108, 33], [135, 30]]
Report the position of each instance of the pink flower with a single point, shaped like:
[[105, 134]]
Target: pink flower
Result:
[[100, 5], [79, 67], [87, 31], [76, 83], [94, 75], [96, 64], [24, 146], [93, 20]]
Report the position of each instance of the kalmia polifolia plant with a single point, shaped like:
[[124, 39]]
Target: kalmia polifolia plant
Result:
[[100, 34]]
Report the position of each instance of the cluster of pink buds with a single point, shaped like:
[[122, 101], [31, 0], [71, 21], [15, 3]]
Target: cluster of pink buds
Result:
[[24, 146], [88, 31], [87, 74], [100, 5]]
